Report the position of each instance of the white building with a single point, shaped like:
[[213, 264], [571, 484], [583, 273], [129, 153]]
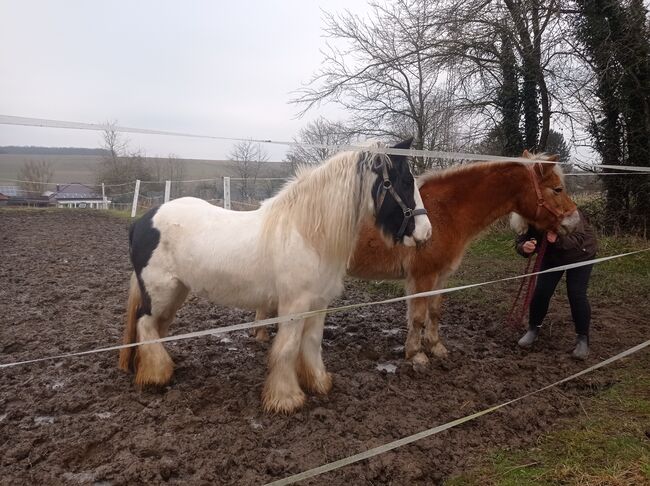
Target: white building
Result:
[[76, 195]]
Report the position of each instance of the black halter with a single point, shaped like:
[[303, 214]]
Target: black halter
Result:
[[387, 186]]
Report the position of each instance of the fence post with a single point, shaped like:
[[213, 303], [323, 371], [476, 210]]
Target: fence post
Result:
[[134, 207], [168, 190], [105, 204], [226, 192]]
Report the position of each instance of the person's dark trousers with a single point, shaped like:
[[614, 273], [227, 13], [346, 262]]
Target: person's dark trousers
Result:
[[577, 280]]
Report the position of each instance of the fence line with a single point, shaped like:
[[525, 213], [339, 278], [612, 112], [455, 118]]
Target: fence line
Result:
[[375, 451], [434, 154], [599, 174], [304, 315], [67, 183], [216, 179]]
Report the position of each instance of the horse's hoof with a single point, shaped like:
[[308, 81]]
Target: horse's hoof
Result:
[[261, 335], [322, 386], [154, 376], [420, 362], [286, 405], [309, 381], [439, 351]]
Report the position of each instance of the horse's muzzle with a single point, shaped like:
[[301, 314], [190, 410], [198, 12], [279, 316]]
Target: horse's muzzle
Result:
[[421, 234]]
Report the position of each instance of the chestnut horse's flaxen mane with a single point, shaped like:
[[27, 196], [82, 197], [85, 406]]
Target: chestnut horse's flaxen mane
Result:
[[478, 166]]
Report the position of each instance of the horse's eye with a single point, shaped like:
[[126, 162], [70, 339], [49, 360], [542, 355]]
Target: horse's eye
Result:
[[557, 190]]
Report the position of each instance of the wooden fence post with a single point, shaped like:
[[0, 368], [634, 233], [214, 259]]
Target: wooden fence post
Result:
[[168, 190], [134, 206], [226, 192]]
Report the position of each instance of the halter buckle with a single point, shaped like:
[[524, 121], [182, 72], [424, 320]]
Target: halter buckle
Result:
[[408, 213], [387, 184]]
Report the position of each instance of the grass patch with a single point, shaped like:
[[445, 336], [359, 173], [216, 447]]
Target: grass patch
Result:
[[493, 256], [494, 243], [608, 445]]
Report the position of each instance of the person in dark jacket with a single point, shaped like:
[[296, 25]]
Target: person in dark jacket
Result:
[[580, 245]]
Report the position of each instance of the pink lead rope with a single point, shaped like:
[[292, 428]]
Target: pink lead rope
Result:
[[515, 318]]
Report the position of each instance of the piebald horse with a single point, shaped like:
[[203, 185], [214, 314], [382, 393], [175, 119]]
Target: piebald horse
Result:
[[460, 202], [289, 255]]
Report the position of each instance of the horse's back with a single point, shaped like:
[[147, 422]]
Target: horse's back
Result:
[[211, 250]]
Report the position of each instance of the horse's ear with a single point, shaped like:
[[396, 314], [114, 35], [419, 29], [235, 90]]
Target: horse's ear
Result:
[[525, 154], [554, 158], [404, 144], [547, 167]]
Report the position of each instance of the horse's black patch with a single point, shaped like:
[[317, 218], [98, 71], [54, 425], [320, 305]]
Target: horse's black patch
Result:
[[390, 216], [143, 240]]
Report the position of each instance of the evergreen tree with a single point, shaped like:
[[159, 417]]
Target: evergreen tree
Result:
[[508, 133], [615, 36]]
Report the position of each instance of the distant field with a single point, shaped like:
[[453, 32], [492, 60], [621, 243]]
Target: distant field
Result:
[[82, 168]]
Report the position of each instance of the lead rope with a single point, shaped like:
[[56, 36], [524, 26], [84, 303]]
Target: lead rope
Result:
[[514, 318]]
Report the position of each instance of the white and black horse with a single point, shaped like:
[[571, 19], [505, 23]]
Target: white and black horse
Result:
[[289, 255]]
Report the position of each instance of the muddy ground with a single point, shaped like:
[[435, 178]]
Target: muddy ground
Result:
[[63, 281]]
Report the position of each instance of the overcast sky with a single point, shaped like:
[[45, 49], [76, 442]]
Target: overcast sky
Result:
[[213, 67]]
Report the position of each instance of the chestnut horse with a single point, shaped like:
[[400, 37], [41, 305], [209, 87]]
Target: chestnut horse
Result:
[[460, 202]]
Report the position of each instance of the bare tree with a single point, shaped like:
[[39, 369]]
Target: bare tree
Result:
[[170, 169], [516, 48], [377, 68], [120, 164], [35, 176], [319, 132], [248, 157]]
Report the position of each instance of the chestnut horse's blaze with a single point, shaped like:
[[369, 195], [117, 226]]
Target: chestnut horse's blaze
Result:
[[461, 202]]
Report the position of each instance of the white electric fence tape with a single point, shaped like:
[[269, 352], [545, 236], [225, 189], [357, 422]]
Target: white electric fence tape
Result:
[[440, 428], [42, 122], [304, 315]]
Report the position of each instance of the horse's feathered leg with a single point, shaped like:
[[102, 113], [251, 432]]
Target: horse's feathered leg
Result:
[[417, 313], [311, 369], [282, 392], [432, 342], [153, 364], [127, 355], [262, 333]]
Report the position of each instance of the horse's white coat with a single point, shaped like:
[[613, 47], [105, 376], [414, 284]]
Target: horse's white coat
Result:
[[289, 255], [422, 230]]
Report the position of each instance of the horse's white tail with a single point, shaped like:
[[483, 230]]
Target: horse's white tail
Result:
[[130, 330]]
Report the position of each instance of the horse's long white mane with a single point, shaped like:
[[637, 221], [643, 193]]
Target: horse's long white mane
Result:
[[324, 204]]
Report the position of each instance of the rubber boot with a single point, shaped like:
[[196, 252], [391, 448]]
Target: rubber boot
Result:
[[581, 350], [529, 338]]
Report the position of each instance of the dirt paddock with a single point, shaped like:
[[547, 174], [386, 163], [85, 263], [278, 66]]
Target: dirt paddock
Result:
[[63, 283]]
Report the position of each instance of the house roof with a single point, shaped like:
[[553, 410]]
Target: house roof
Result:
[[74, 190], [13, 191]]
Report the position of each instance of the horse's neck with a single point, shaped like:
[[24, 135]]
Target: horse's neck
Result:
[[480, 195], [326, 207]]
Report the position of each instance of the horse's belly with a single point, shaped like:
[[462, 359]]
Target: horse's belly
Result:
[[369, 269], [251, 296], [228, 285]]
